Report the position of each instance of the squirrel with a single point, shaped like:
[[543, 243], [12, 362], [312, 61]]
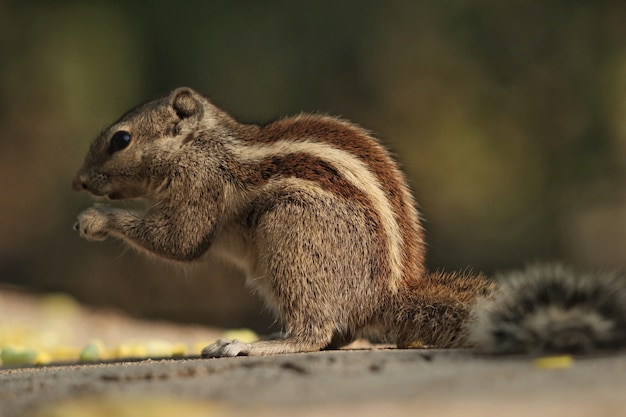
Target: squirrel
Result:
[[320, 218]]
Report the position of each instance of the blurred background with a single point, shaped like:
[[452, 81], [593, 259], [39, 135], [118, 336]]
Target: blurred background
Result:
[[508, 117]]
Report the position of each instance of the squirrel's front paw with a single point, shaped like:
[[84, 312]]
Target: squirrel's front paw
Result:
[[93, 223], [226, 348]]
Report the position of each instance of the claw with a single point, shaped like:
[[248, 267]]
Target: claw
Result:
[[225, 348]]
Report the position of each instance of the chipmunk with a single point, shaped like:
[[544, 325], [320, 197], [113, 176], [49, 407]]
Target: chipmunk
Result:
[[320, 218]]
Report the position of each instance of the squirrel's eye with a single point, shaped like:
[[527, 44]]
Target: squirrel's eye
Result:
[[119, 141]]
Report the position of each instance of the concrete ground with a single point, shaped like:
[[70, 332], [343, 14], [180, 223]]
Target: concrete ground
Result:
[[372, 382]]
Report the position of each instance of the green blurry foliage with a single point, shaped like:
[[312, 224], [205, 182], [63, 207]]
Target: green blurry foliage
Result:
[[509, 118]]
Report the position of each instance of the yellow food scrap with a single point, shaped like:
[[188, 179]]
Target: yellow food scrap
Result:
[[243, 335], [158, 348], [130, 351], [179, 349], [43, 358], [64, 353], [554, 362]]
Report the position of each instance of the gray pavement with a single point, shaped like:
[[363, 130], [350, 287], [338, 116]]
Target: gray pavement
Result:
[[363, 382]]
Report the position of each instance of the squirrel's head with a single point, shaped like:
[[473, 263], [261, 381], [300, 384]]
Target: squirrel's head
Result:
[[138, 154]]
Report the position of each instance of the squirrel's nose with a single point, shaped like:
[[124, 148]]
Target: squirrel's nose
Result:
[[79, 184]]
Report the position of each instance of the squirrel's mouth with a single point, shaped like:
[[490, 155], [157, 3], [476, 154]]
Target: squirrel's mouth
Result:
[[115, 196]]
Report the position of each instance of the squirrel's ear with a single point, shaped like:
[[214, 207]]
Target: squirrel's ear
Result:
[[185, 103]]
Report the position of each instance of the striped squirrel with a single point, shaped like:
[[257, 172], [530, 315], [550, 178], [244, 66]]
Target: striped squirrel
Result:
[[320, 218]]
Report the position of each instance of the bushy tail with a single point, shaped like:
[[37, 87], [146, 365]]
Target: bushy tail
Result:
[[551, 309], [435, 310]]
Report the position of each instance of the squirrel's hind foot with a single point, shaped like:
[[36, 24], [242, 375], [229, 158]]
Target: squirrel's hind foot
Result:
[[229, 348]]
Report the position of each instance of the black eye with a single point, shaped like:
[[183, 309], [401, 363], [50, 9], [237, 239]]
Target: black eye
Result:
[[119, 141]]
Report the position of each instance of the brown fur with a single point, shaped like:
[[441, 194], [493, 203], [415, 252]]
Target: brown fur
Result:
[[437, 309], [313, 209], [358, 142]]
